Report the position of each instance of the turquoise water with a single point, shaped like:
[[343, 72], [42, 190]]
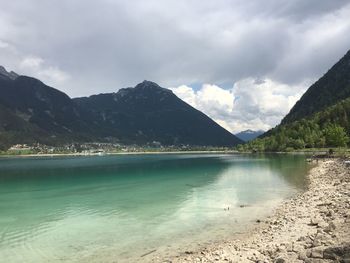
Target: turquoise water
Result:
[[117, 208]]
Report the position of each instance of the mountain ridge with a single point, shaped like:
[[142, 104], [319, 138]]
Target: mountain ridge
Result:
[[136, 109], [332, 87], [141, 115], [319, 119]]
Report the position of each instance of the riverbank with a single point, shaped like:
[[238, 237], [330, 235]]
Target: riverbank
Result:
[[314, 226]]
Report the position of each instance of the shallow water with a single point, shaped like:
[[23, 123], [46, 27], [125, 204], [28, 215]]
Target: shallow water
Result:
[[106, 208]]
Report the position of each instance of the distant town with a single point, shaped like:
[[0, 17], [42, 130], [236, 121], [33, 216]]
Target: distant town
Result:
[[97, 148]]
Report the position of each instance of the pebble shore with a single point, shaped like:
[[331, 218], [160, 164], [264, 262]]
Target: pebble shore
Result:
[[312, 227]]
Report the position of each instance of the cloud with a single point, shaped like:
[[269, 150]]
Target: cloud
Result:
[[35, 66], [31, 63], [89, 47], [250, 104], [3, 44]]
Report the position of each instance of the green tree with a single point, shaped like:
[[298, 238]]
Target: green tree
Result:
[[336, 136]]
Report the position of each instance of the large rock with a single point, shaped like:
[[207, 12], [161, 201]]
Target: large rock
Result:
[[338, 253]]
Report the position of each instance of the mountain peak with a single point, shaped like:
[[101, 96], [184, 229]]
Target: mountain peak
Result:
[[4, 73], [145, 88], [248, 131], [148, 83], [249, 134]]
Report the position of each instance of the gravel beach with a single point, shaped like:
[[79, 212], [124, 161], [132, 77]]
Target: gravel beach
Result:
[[313, 226]]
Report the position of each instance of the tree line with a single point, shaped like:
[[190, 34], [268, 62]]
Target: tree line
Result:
[[327, 128]]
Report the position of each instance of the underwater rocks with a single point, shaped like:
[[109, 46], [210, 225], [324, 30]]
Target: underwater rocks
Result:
[[312, 227]]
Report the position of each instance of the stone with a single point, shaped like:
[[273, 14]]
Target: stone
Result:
[[289, 247], [317, 252], [317, 242], [322, 224], [308, 253], [282, 249], [302, 255], [280, 260], [316, 221], [316, 260], [330, 227], [336, 253], [298, 247]]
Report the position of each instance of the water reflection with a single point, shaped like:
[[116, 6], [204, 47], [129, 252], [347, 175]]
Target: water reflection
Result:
[[85, 205]]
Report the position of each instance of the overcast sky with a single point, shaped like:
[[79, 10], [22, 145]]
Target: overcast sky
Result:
[[243, 63]]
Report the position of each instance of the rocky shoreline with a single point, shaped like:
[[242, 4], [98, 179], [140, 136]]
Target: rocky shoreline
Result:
[[314, 226]]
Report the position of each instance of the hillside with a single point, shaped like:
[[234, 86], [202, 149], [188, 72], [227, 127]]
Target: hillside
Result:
[[319, 119], [333, 87], [327, 128], [31, 112]]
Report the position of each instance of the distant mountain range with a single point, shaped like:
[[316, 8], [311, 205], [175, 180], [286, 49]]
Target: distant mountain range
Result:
[[249, 135], [31, 111]]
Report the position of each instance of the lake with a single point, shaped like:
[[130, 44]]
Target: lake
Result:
[[120, 207]]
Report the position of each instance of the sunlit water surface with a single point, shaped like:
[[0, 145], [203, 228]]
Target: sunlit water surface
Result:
[[117, 208]]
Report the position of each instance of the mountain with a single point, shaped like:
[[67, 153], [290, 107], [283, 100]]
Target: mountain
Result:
[[7, 75], [41, 105], [150, 113], [249, 135], [319, 119], [333, 87], [31, 111]]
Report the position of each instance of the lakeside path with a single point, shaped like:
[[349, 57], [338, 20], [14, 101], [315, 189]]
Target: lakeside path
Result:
[[313, 226]]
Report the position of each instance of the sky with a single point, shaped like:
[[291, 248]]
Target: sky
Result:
[[243, 63]]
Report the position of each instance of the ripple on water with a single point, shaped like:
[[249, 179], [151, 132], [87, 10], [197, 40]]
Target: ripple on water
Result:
[[78, 214]]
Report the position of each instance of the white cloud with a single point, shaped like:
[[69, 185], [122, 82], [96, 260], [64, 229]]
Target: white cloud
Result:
[[174, 42], [33, 66], [32, 63], [250, 104], [3, 44], [36, 67]]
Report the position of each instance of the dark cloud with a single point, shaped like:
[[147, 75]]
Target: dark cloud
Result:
[[84, 47]]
